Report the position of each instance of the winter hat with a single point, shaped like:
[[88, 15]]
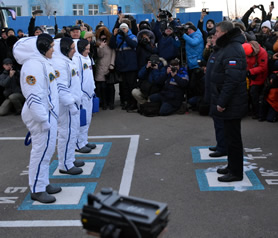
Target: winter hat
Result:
[[266, 24], [154, 58], [124, 25], [43, 43], [144, 25], [37, 28], [191, 26], [65, 45], [81, 45], [7, 61], [247, 48], [82, 34]]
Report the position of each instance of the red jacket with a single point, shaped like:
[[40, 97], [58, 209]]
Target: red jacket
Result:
[[257, 65]]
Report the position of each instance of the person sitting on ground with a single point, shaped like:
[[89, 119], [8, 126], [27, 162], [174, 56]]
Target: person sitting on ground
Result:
[[172, 94], [148, 76], [9, 79]]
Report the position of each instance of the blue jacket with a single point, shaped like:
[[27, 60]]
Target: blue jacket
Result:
[[194, 46], [125, 45]]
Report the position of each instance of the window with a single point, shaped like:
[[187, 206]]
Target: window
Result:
[[34, 8], [93, 9], [78, 9], [177, 10], [127, 8], [17, 9]]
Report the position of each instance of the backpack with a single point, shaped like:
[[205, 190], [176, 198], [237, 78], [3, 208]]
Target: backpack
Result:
[[150, 109]]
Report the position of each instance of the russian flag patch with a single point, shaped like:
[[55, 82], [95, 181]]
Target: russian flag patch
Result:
[[232, 63]]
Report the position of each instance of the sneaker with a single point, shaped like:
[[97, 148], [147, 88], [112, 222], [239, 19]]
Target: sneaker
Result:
[[91, 146], [73, 171], [43, 197], [78, 163], [84, 150], [50, 189]]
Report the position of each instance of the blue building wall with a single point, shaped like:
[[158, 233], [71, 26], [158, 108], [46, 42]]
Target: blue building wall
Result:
[[108, 20]]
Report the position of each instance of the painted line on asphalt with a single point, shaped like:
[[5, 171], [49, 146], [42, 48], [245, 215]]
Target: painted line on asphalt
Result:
[[41, 223]]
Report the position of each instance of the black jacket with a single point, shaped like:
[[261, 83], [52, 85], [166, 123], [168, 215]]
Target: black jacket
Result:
[[226, 74]]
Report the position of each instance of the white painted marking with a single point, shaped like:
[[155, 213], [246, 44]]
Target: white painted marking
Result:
[[41, 223], [255, 150], [157, 153], [8, 200], [204, 154], [15, 189], [68, 196], [87, 169], [213, 182], [95, 151], [272, 181]]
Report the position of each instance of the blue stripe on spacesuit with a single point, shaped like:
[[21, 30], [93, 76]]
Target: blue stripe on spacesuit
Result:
[[52, 106], [67, 145], [39, 167], [82, 79], [69, 70], [33, 98]]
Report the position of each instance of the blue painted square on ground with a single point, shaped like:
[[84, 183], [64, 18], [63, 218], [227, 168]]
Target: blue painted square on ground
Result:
[[91, 169], [101, 150], [207, 180], [72, 196]]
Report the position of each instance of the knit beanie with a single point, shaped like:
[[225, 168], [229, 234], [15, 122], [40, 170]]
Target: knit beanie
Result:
[[44, 43], [65, 45], [266, 24], [81, 45], [124, 25], [247, 49]]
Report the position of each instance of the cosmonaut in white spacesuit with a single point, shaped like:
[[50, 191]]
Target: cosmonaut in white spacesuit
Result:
[[69, 89], [84, 63], [40, 111]]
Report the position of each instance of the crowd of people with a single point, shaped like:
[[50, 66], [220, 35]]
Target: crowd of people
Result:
[[162, 68]]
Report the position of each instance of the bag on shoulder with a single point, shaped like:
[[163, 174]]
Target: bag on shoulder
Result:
[[150, 109], [113, 77]]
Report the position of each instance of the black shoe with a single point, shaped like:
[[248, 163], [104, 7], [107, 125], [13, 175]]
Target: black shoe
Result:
[[230, 178], [261, 119], [111, 107], [223, 171], [132, 108], [73, 171], [84, 150], [217, 154], [255, 117], [91, 146], [213, 148], [43, 197], [78, 163], [50, 189]]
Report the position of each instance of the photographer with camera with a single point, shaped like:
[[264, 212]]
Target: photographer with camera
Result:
[[171, 96], [125, 43], [194, 46], [146, 44], [148, 77], [210, 24], [168, 44]]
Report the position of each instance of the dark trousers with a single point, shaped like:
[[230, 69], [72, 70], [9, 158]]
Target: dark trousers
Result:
[[232, 130], [255, 92], [129, 81], [221, 145], [165, 108], [106, 93]]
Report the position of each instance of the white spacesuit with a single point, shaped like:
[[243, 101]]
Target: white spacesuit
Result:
[[84, 64], [69, 89], [40, 111]]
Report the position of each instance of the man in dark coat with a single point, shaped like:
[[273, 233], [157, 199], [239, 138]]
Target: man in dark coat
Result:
[[226, 72]]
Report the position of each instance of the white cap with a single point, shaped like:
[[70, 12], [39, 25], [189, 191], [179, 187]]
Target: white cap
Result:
[[124, 25], [266, 24]]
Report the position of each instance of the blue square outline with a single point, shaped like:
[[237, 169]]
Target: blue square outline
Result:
[[204, 186], [27, 204], [103, 153], [196, 156], [99, 164]]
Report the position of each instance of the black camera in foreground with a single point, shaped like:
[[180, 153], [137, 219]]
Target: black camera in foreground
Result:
[[112, 215]]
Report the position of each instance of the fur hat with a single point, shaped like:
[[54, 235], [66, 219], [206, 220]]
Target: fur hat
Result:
[[88, 34], [266, 24]]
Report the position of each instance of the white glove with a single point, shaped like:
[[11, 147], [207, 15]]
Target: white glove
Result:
[[73, 109], [45, 126]]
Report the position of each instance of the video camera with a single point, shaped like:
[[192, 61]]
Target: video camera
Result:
[[163, 15], [112, 215]]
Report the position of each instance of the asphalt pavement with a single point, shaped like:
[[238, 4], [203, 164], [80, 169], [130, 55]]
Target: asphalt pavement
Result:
[[163, 159]]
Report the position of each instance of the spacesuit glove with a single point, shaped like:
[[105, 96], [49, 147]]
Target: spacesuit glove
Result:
[[73, 109], [45, 126]]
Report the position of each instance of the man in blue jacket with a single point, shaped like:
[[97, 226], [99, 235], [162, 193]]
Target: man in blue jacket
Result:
[[226, 72], [194, 46]]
